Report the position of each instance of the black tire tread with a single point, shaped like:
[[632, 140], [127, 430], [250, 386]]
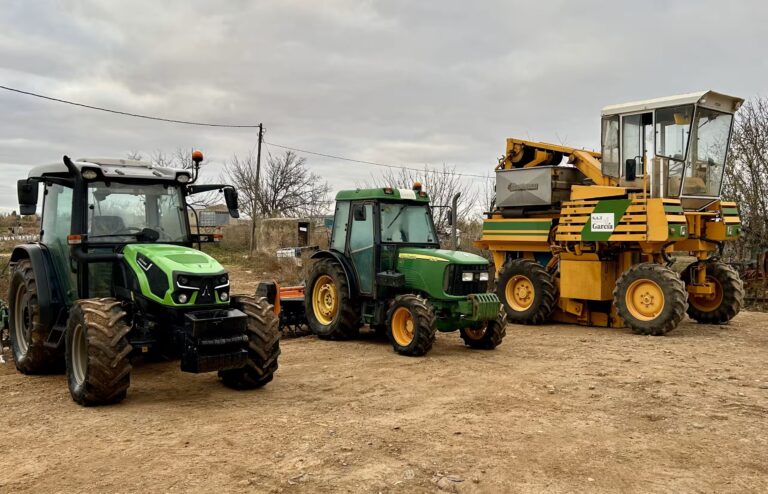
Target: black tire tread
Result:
[[39, 359], [495, 331], [108, 374], [733, 294], [542, 309], [675, 298], [424, 325], [347, 323], [263, 344]]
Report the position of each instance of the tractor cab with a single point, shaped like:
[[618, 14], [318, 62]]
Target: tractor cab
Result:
[[371, 226], [675, 146]]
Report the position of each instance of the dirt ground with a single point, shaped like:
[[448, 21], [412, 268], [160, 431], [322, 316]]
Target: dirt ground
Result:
[[554, 408]]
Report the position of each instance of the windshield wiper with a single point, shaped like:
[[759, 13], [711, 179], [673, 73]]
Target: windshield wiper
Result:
[[402, 208]]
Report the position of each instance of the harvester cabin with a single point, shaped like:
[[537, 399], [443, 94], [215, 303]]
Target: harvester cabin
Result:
[[673, 147]]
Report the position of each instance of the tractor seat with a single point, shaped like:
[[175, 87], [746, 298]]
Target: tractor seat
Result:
[[106, 225]]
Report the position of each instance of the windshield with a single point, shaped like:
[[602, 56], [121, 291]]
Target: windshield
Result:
[[402, 223], [672, 128], [709, 146], [117, 212]]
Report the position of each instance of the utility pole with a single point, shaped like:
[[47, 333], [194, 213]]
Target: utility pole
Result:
[[256, 189]]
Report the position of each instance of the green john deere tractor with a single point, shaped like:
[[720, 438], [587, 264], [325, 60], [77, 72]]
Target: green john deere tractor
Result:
[[385, 268], [115, 274]]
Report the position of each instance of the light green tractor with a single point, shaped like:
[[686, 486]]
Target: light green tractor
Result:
[[116, 274]]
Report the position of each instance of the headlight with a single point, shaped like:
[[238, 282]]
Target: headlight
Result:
[[182, 178], [182, 280], [89, 174], [467, 276], [484, 276], [224, 296], [183, 298]]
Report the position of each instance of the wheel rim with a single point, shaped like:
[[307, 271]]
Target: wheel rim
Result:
[[402, 326], [79, 355], [708, 303], [475, 333], [519, 292], [325, 300], [23, 319], [645, 299]]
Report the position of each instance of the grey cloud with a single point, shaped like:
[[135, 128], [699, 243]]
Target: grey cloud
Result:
[[391, 81]]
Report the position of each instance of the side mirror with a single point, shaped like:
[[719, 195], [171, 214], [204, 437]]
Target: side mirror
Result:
[[358, 213], [27, 190], [230, 197], [630, 169]]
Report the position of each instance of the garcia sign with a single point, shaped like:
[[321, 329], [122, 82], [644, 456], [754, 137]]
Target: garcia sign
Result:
[[602, 222]]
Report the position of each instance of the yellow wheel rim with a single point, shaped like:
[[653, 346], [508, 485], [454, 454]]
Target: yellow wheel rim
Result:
[[402, 326], [325, 300], [519, 292], [708, 303], [645, 299], [474, 334]]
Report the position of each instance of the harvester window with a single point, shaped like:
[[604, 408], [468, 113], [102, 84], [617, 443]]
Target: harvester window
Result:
[[708, 152], [610, 146], [673, 125]]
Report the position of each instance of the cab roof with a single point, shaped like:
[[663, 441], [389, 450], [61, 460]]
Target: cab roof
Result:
[[383, 194], [709, 99], [112, 168]]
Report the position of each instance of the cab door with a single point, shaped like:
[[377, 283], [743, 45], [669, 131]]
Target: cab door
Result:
[[361, 245]]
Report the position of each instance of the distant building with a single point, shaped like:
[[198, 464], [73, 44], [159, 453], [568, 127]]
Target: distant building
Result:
[[212, 216]]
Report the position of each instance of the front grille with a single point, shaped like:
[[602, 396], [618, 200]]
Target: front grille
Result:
[[454, 285], [204, 286]]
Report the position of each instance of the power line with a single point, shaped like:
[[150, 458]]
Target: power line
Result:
[[374, 163], [232, 126], [127, 114]]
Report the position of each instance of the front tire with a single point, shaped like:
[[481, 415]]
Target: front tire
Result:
[[727, 300], [527, 292], [650, 298], [27, 333], [98, 368], [411, 325], [331, 312], [263, 344], [488, 336]]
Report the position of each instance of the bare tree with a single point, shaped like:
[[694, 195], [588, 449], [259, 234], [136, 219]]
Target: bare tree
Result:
[[288, 188], [441, 185], [746, 177]]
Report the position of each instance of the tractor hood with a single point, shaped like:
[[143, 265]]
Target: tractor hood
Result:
[[441, 256], [172, 258]]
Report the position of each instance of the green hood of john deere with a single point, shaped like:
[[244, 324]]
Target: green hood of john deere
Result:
[[440, 256], [172, 258]]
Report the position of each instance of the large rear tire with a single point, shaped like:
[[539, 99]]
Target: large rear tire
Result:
[[331, 312], [27, 333], [650, 298], [98, 368], [263, 344], [411, 325], [488, 336], [526, 291], [725, 303]]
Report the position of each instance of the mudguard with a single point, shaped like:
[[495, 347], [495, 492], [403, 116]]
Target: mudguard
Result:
[[349, 270], [49, 294]]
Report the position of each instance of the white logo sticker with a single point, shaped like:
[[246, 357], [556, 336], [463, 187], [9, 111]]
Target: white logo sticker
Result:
[[602, 222], [407, 194]]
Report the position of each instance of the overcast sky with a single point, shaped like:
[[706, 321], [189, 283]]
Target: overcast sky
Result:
[[410, 82]]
